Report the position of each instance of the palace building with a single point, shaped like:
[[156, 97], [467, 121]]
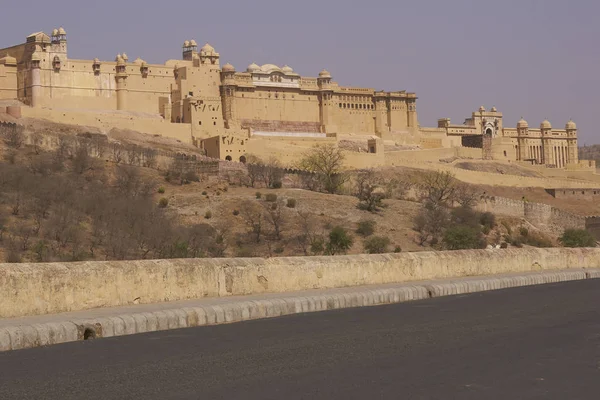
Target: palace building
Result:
[[264, 109]]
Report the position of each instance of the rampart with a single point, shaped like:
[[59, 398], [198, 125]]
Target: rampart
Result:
[[540, 215], [35, 289]]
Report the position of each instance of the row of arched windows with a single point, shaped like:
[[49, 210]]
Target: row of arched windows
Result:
[[357, 106]]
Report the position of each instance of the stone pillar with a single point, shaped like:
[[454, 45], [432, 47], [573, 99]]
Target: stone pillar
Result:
[[411, 110], [36, 84], [121, 92], [381, 114]]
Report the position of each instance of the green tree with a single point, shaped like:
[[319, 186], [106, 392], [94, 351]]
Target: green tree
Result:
[[462, 237], [577, 238], [339, 241]]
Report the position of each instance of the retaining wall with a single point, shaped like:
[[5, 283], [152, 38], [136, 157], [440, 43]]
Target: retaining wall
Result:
[[34, 289]]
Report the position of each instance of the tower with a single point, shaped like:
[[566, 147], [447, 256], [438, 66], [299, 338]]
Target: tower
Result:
[[325, 101], [36, 82], [208, 55], [381, 112], [228, 95], [59, 41], [572, 150], [546, 129], [411, 111], [121, 78], [522, 134], [190, 50]]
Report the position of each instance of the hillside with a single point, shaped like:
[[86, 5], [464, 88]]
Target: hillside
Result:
[[76, 194]]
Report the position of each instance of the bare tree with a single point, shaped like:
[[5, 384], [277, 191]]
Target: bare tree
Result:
[[465, 195], [370, 190], [327, 162], [438, 187], [36, 140], [14, 137], [431, 222], [310, 241], [252, 213], [149, 157], [276, 216], [117, 152]]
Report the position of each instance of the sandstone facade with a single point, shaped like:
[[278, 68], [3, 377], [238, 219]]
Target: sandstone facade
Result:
[[264, 110]]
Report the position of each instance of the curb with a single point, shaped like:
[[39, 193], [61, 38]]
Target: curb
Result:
[[36, 335]]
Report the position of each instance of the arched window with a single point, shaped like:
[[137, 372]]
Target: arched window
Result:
[[228, 158], [243, 159]]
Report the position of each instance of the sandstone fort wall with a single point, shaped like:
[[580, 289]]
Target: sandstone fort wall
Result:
[[34, 289]]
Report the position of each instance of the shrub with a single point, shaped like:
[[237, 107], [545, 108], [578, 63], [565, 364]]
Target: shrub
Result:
[[258, 195], [236, 212], [291, 203], [377, 245], [204, 193], [516, 243], [523, 232], [460, 237], [317, 245], [486, 230], [366, 227], [271, 197], [577, 238], [397, 249], [191, 176], [504, 245], [488, 219], [163, 202], [279, 250], [339, 241], [536, 240], [208, 214], [276, 185], [161, 190]]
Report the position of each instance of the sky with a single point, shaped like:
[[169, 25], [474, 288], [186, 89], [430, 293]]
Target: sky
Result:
[[535, 59]]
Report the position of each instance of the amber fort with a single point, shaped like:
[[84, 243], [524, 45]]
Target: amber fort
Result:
[[265, 110]]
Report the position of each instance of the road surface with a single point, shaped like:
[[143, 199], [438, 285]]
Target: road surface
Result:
[[527, 343]]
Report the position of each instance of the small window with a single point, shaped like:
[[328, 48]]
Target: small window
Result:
[[215, 123]]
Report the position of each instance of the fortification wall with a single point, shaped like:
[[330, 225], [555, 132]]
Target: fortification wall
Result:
[[153, 125], [34, 289], [502, 206], [539, 215], [483, 178], [592, 224]]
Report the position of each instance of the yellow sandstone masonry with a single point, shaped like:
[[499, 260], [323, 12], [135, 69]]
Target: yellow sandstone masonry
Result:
[[265, 110], [35, 289]]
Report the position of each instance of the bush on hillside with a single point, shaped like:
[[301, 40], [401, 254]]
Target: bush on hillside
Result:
[[340, 241], [577, 238], [377, 245], [366, 227], [462, 237]]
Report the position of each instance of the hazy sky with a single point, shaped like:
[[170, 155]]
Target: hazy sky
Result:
[[530, 58]]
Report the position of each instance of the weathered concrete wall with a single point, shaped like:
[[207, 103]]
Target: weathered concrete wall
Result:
[[33, 289]]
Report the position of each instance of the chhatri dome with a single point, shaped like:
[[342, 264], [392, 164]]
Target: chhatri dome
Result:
[[228, 68], [570, 125], [287, 69], [207, 48], [522, 123], [324, 74], [545, 125], [253, 67]]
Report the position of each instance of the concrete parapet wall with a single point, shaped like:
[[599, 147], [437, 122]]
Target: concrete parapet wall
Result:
[[35, 289]]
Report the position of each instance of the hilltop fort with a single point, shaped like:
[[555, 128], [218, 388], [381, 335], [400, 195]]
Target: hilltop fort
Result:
[[264, 110]]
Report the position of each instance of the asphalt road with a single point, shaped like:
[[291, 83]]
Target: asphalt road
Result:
[[526, 343]]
